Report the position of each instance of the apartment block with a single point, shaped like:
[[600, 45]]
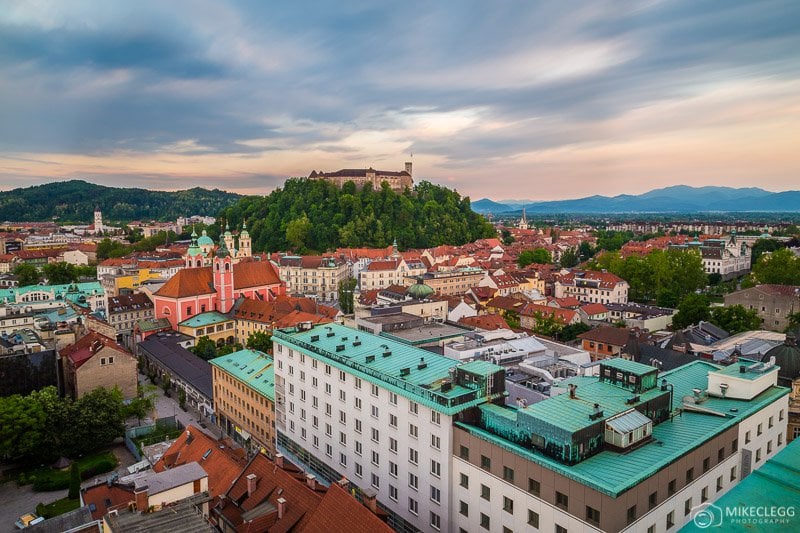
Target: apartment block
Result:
[[379, 413]]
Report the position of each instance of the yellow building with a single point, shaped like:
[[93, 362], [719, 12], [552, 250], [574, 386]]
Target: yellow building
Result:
[[218, 327], [244, 398]]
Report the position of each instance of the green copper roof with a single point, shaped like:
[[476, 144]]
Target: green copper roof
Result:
[[613, 473], [205, 240], [734, 369], [482, 368], [70, 291], [625, 365], [408, 371], [205, 319], [253, 368], [776, 483]]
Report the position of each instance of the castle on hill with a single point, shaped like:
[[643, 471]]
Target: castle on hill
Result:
[[398, 181]]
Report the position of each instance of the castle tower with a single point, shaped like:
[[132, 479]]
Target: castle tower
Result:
[[98, 221], [194, 255], [245, 243], [408, 168], [223, 278]]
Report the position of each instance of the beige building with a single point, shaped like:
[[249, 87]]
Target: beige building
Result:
[[590, 286], [216, 326], [451, 282], [773, 303], [125, 311], [313, 275], [97, 361], [244, 396], [380, 274], [398, 181]]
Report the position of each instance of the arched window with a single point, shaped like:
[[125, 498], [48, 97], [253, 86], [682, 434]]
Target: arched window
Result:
[[166, 311], [227, 266]]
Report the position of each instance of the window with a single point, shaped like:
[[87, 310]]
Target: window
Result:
[[393, 493], [719, 483], [464, 481], [393, 421], [486, 463], [780, 415], [733, 473], [327, 388], [671, 488], [534, 487], [734, 445], [770, 422], [393, 398], [508, 474], [342, 396], [376, 458], [375, 390], [342, 417], [704, 495], [413, 456], [484, 521], [342, 438], [342, 375], [436, 494], [358, 447], [720, 455], [358, 403], [328, 370], [314, 382], [651, 528], [359, 471], [486, 493], [671, 519], [463, 452], [592, 515], [759, 430], [436, 521], [376, 481], [436, 441], [376, 436], [436, 417], [329, 450], [769, 447], [562, 500], [328, 430], [747, 438], [687, 507], [413, 407], [758, 454], [393, 469], [652, 500], [508, 505], [412, 506], [533, 518], [560, 529], [374, 411], [412, 430], [392, 445], [413, 481], [631, 514], [463, 508], [358, 426], [342, 459], [780, 439], [436, 468], [315, 441], [690, 475]]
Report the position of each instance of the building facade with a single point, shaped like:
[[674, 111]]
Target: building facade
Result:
[[589, 286], [98, 361], [773, 303], [314, 276], [397, 181], [125, 311], [454, 282]]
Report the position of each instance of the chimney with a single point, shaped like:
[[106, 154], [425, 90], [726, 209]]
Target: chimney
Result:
[[311, 480], [281, 507], [572, 388], [344, 483], [251, 484], [141, 499], [371, 499], [279, 460]]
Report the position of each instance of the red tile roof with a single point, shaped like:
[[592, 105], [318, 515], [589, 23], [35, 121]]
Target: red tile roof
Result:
[[607, 279], [608, 335], [222, 465], [594, 309], [567, 316], [88, 345], [375, 266], [339, 511], [296, 317], [196, 281], [105, 498], [486, 322]]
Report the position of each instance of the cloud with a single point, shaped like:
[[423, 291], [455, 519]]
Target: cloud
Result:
[[496, 99]]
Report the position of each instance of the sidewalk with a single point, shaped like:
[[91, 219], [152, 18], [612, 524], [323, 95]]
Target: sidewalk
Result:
[[169, 407]]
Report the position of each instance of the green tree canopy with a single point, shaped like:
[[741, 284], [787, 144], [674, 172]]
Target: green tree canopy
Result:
[[60, 273], [205, 348], [537, 255], [781, 267], [27, 274], [735, 319], [692, 309], [569, 258], [345, 291], [261, 341]]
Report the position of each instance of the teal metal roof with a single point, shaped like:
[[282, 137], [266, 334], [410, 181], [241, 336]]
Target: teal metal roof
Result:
[[753, 369], [573, 414], [253, 368], [776, 483], [408, 371], [625, 365], [70, 291], [613, 473], [205, 319], [483, 368]]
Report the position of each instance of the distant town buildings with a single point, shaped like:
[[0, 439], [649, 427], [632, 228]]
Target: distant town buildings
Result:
[[773, 303]]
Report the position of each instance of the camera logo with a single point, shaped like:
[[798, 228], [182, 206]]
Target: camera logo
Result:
[[707, 515]]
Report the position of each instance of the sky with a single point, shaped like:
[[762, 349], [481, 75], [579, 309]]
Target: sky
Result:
[[540, 99]]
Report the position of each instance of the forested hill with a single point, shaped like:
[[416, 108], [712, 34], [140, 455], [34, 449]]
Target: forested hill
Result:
[[75, 201], [314, 215]]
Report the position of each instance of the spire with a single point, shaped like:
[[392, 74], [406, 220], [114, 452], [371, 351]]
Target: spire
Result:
[[395, 252], [222, 251], [194, 233]]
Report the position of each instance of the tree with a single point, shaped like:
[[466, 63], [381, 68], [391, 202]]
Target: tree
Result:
[[506, 237], [794, 321], [27, 274], [205, 348], [298, 232], [166, 383], [781, 267], [261, 341], [714, 279], [345, 292], [107, 249], [228, 349], [571, 332], [144, 403], [547, 324], [182, 399], [74, 482], [59, 273], [569, 258], [761, 246], [692, 309], [735, 319], [536, 255], [585, 251]]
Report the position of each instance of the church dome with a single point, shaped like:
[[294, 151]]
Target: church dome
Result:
[[420, 291], [205, 240], [787, 357]]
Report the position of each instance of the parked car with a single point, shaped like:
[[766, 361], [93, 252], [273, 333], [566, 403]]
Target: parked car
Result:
[[28, 520]]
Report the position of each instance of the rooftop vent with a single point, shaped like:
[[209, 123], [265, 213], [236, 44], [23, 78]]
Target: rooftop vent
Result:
[[447, 386], [596, 412], [405, 371], [387, 353], [370, 358], [422, 364], [340, 348], [356, 342], [330, 334], [633, 400], [314, 338]]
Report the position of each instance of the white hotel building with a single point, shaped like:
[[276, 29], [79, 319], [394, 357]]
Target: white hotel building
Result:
[[380, 413]]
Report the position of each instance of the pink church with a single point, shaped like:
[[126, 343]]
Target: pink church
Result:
[[198, 289]]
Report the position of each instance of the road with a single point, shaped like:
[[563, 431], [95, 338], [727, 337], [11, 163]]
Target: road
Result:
[[169, 407]]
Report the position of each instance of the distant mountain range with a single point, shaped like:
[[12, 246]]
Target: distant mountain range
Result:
[[75, 201], [676, 199]]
